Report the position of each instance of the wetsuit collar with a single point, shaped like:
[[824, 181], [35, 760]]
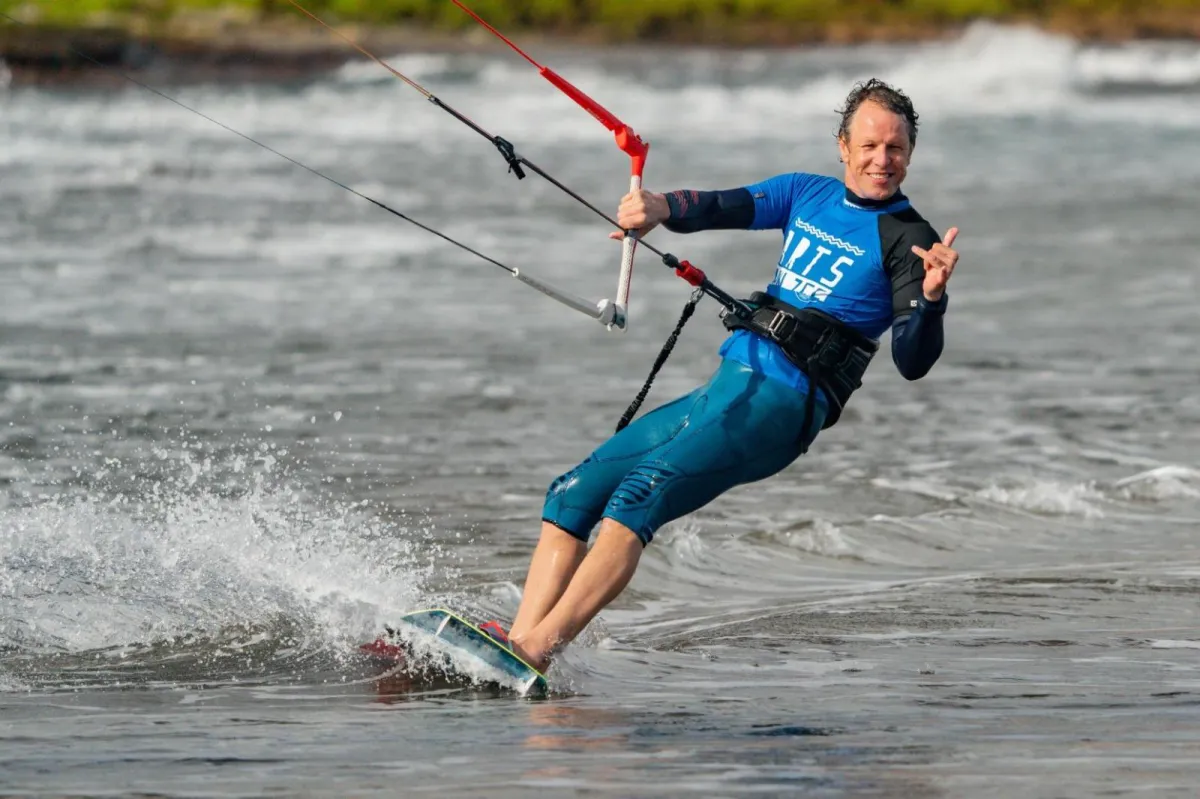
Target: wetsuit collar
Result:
[[895, 201]]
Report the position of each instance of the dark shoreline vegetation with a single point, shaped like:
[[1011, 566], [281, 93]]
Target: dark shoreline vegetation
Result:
[[272, 38]]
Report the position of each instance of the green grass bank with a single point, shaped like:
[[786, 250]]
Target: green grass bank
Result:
[[732, 22], [274, 37]]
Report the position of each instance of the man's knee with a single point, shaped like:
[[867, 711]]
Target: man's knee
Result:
[[618, 532], [572, 504]]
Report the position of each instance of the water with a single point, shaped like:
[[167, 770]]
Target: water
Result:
[[248, 419]]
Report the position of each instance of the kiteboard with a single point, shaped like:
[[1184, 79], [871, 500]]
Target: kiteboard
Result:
[[440, 640]]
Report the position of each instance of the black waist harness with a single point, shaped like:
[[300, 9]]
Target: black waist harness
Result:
[[832, 354]]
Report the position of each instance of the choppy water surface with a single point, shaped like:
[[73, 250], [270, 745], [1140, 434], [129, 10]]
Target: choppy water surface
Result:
[[248, 419]]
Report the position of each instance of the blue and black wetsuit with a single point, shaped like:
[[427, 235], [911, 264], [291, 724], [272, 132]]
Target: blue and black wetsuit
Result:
[[848, 257]]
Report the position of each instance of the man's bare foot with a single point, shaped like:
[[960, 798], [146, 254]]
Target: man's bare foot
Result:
[[530, 655]]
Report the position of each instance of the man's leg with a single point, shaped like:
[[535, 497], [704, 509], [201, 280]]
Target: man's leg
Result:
[[557, 556], [575, 503], [601, 577], [746, 431]]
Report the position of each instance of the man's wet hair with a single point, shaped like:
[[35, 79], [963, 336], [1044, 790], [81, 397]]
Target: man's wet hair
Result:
[[887, 96]]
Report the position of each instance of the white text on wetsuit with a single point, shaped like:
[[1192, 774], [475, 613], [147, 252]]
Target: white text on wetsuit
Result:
[[808, 268]]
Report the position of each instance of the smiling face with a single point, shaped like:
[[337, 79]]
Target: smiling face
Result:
[[876, 150]]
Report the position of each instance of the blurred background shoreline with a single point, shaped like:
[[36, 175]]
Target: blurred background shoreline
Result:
[[272, 39]]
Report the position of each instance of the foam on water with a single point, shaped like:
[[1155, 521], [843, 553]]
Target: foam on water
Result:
[[1046, 497], [684, 543], [991, 70], [1174, 644], [1162, 483], [822, 538], [1139, 67], [181, 558]]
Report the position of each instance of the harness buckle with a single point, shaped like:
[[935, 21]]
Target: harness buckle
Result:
[[780, 323]]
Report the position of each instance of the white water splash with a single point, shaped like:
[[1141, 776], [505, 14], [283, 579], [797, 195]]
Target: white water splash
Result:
[[1140, 65], [991, 70], [821, 538], [683, 542], [1049, 498], [80, 574], [1163, 483], [1174, 644]]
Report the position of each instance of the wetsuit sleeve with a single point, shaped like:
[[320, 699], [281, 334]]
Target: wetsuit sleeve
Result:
[[917, 330], [691, 211], [766, 205], [918, 338]]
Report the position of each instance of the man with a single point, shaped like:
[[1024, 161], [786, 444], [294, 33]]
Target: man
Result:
[[857, 258]]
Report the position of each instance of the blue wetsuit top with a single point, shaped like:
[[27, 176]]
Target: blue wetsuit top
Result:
[[847, 256]]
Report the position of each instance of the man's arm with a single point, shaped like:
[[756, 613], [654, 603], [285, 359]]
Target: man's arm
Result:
[[918, 290], [918, 338], [765, 205], [692, 211]]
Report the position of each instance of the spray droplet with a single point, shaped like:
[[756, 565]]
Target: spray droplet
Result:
[[337, 416]]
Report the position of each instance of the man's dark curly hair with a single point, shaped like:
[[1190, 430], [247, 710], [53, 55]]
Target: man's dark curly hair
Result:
[[890, 98]]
